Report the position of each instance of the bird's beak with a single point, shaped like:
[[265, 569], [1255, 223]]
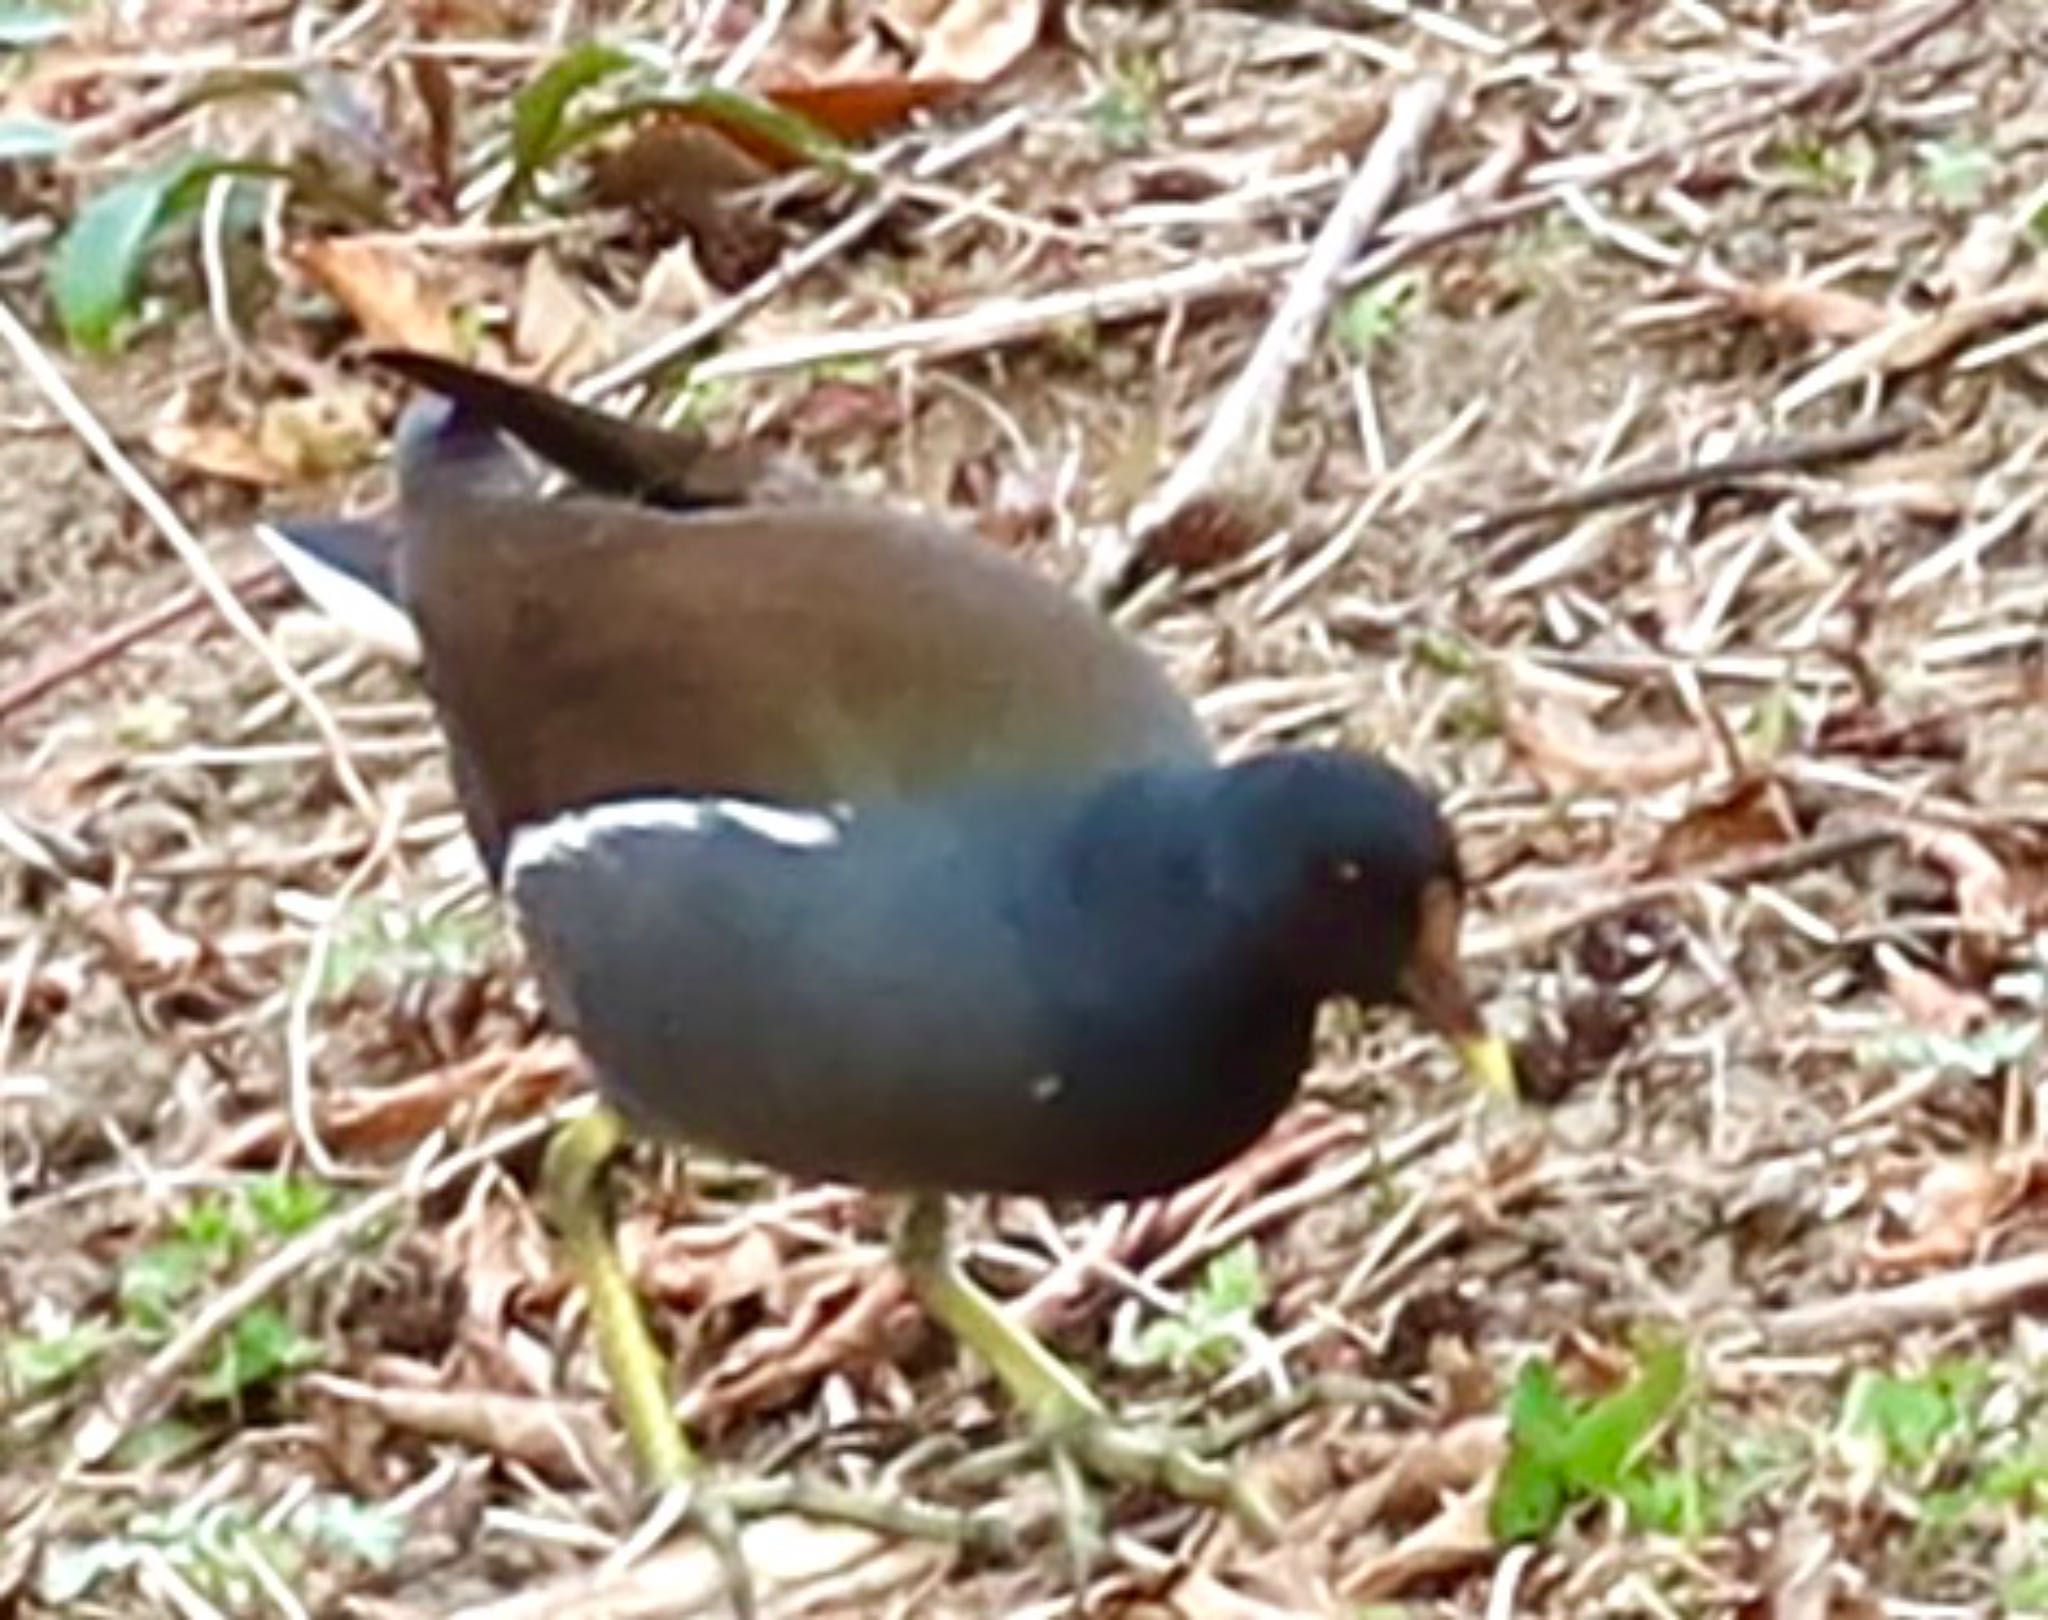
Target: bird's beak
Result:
[[1434, 986]]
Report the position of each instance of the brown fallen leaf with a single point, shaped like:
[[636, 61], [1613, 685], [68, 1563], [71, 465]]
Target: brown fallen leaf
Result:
[[1929, 338], [1948, 1216], [1822, 312], [1753, 814], [839, 1320], [1567, 753], [217, 450], [557, 330], [1800, 1574], [799, 1567], [495, 1084], [1456, 1540], [680, 1268], [336, 429], [1929, 1001], [564, 1441], [394, 297], [1989, 914], [969, 41], [1424, 1468], [1202, 1595]]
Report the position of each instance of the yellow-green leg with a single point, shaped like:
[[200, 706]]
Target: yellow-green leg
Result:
[[1059, 1403], [572, 1182], [573, 1189]]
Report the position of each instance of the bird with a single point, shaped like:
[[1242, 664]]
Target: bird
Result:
[[844, 842]]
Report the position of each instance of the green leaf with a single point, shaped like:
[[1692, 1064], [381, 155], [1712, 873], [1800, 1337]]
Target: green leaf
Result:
[[386, 943], [214, 1227], [168, 1440], [1373, 315], [373, 1534], [1528, 1499], [1913, 1418], [1232, 1284], [98, 264], [157, 1282], [1559, 1451], [1529, 1496], [35, 1366], [1209, 1333], [1958, 172], [27, 139], [1614, 1429], [261, 1347], [540, 112], [1122, 118], [1540, 1414], [285, 1206], [22, 27]]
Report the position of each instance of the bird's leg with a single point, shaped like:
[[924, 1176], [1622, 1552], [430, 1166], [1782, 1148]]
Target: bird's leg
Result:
[[1059, 1403], [572, 1181]]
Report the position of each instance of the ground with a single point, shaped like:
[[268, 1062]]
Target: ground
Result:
[[1671, 503]]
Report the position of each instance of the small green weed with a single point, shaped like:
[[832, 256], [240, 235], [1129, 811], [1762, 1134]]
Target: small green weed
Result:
[[1562, 1450], [1212, 1330], [1957, 172], [1125, 115], [1374, 315], [217, 1546], [379, 942]]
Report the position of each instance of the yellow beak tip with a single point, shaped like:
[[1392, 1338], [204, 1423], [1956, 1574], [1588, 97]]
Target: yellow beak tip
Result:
[[1490, 1064]]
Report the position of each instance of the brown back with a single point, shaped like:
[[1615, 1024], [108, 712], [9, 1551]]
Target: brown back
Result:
[[583, 649]]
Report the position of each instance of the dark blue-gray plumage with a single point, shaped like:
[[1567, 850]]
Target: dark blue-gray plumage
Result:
[[1091, 992]]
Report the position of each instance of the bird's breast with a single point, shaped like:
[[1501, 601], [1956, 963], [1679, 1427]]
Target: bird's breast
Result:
[[891, 998]]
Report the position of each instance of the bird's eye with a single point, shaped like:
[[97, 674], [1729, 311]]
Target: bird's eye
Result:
[[1346, 871]]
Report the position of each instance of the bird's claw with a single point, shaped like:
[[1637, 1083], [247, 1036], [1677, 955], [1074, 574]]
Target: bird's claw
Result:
[[716, 1514], [1156, 1461]]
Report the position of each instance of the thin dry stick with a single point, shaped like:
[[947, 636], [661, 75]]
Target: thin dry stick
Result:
[[819, 250], [1014, 320], [1654, 483], [263, 582], [1884, 1312], [1732, 873], [312, 980], [1235, 450], [43, 372]]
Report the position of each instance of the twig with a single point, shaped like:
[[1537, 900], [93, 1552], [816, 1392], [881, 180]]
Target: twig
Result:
[[1002, 321], [263, 583], [1731, 873], [1234, 453], [1653, 483], [306, 995], [1883, 1312], [41, 371]]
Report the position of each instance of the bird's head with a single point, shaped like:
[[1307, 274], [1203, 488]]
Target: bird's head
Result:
[[1355, 866]]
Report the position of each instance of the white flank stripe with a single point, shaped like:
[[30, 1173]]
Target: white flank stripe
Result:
[[579, 833]]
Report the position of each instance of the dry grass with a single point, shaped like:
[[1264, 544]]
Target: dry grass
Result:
[[1749, 758]]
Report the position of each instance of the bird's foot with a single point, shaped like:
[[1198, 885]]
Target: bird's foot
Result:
[[1125, 1454], [715, 1511]]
